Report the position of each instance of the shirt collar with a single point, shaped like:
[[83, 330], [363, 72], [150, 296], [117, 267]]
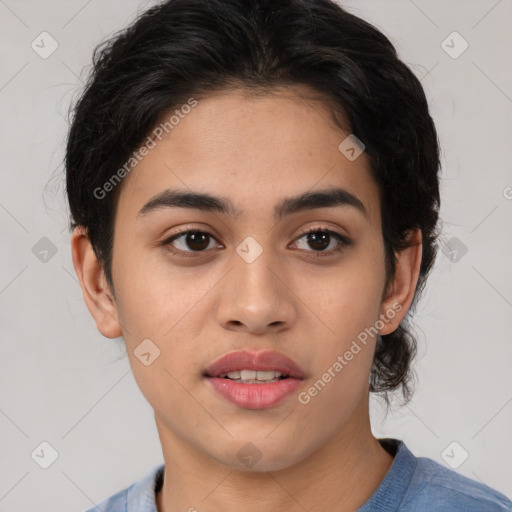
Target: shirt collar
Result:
[[142, 495], [393, 487]]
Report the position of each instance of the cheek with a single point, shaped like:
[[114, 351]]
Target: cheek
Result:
[[350, 308], [352, 300], [153, 312], [158, 303], [152, 297], [343, 358]]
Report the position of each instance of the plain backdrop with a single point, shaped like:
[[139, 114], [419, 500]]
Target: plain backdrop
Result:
[[64, 384]]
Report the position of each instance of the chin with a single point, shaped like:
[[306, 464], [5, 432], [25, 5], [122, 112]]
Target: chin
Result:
[[254, 457]]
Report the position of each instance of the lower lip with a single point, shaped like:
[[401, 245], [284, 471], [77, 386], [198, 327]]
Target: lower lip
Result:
[[254, 396]]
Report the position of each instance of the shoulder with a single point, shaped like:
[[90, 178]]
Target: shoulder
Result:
[[443, 490], [420, 484], [138, 497]]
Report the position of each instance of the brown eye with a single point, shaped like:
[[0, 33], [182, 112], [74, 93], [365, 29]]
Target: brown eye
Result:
[[189, 242], [321, 239], [196, 240]]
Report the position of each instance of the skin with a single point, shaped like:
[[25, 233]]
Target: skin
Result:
[[254, 150]]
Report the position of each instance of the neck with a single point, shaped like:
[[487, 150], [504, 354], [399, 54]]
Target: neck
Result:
[[340, 476]]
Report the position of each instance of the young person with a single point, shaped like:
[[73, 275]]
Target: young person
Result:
[[254, 194]]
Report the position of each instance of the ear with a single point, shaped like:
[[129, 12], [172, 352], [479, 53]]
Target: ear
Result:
[[400, 291], [97, 294]]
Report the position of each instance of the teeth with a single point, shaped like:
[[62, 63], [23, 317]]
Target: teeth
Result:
[[252, 375], [267, 375], [249, 375]]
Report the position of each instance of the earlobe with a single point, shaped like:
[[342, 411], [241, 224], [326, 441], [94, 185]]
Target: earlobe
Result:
[[401, 290], [97, 294]]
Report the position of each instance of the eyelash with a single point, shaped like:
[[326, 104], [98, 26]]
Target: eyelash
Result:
[[343, 242]]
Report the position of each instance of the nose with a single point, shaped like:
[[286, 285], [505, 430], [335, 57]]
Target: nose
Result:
[[256, 297]]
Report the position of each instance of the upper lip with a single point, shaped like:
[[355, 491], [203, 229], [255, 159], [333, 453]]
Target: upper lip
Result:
[[267, 360]]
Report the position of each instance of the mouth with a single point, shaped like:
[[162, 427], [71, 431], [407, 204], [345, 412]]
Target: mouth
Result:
[[254, 376], [254, 380]]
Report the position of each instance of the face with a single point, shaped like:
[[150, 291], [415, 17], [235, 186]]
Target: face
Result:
[[201, 283]]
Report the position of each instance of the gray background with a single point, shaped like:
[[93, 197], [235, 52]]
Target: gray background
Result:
[[63, 383]]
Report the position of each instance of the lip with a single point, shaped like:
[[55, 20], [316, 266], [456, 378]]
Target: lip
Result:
[[267, 360], [254, 395]]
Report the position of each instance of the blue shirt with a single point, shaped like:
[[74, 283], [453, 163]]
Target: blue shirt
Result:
[[412, 484]]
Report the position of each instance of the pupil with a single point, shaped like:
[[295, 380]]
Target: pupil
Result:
[[318, 238], [198, 239]]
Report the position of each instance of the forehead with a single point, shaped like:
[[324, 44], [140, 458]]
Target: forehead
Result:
[[254, 149]]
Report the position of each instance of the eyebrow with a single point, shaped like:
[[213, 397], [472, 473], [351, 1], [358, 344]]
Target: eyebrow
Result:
[[208, 203]]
